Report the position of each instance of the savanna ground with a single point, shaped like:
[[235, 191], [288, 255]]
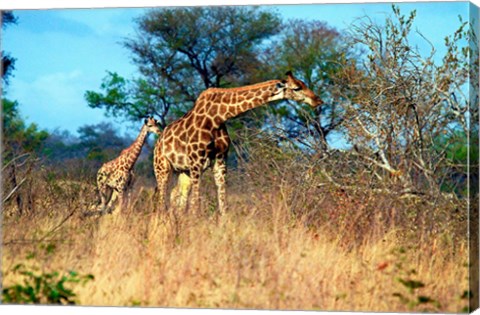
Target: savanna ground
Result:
[[290, 240]]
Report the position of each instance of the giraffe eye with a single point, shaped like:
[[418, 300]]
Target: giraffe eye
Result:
[[297, 88]]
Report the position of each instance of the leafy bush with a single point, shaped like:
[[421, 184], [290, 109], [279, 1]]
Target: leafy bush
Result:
[[43, 288]]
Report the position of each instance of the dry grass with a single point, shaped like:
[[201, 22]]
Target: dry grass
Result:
[[264, 254]]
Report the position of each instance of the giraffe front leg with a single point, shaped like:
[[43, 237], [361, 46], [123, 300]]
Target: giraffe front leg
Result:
[[219, 171], [195, 194]]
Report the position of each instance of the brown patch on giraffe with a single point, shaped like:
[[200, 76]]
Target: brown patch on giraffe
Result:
[[205, 136], [221, 145], [183, 136], [207, 123], [195, 135], [181, 159], [244, 107], [227, 97], [189, 121], [222, 110], [169, 147], [199, 104], [197, 120], [176, 143], [217, 121]]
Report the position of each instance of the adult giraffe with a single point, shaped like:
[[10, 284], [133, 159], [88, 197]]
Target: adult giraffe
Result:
[[199, 138]]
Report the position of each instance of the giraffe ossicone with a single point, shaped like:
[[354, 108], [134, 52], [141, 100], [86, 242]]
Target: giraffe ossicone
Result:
[[199, 139], [115, 176]]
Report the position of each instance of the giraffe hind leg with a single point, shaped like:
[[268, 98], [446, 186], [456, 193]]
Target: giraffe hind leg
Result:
[[179, 195], [105, 193], [116, 195], [219, 170], [195, 201]]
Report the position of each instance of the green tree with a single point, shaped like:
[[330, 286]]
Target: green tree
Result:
[[21, 144], [18, 137], [8, 62], [179, 53], [100, 142], [315, 51], [455, 170], [97, 143]]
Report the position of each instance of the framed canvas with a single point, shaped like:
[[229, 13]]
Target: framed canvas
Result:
[[264, 156]]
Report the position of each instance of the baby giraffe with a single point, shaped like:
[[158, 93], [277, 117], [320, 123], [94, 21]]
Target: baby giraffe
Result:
[[114, 177]]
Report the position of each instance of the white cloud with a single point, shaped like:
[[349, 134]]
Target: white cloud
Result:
[[55, 99]]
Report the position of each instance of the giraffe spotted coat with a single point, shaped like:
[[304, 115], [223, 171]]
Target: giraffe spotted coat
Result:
[[199, 138], [114, 177]]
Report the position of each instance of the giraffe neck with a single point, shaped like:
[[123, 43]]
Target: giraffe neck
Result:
[[131, 154], [235, 101]]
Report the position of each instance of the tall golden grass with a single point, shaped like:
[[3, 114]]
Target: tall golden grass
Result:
[[285, 243]]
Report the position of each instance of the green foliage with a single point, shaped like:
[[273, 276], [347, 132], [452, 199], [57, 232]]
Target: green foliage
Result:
[[217, 44], [456, 150], [101, 142], [179, 53], [315, 52], [116, 98], [8, 18], [18, 137], [410, 284], [182, 51], [8, 62], [43, 288]]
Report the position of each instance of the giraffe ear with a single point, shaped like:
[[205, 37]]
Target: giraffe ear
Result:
[[291, 82], [145, 121], [281, 85], [290, 77]]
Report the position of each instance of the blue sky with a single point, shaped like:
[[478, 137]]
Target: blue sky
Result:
[[61, 53]]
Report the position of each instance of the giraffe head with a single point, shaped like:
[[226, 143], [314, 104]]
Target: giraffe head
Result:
[[152, 125], [294, 89]]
